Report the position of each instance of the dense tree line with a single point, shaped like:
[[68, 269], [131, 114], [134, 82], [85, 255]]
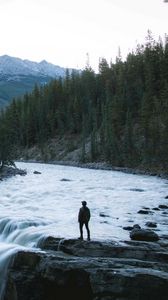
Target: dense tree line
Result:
[[122, 110]]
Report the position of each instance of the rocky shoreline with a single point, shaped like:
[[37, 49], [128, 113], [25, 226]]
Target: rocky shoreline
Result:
[[95, 270], [9, 171], [101, 166], [105, 166]]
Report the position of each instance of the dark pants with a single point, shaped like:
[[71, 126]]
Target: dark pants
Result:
[[81, 229]]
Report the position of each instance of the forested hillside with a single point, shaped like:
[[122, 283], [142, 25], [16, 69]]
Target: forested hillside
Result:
[[122, 111]]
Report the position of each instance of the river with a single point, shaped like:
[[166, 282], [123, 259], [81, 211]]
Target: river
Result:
[[38, 205]]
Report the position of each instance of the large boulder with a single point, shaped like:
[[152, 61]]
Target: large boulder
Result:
[[140, 234], [82, 270]]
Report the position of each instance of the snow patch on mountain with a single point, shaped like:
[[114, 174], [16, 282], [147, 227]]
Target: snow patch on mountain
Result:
[[16, 66]]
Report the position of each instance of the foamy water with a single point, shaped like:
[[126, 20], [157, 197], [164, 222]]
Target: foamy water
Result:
[[38, 205]]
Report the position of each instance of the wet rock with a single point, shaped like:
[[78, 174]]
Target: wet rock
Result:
[[128, 228], [55, 277], [155, 208], [151, 224], [144, 235], [103, 215], [132, 227], [137, 190], [136, 226], [166, 197], [49, 243], [134, 270], [163, 206], [144, 212], [104, 222], [164, 236], [10, 292], [65, 179], [30, 259], [130, 250], [36, 172]]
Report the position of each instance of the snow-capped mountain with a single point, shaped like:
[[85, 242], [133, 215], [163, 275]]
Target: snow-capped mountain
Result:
[[19, 76], [16, 66]]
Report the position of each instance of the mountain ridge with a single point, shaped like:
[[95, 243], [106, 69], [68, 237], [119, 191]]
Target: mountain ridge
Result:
[[19, 76], [15, 65]]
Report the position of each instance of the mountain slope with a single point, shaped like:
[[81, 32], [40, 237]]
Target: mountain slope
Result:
[[19, 76]]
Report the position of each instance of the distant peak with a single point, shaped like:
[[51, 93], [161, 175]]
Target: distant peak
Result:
[[43, 62], [5, 55], [8, 57]]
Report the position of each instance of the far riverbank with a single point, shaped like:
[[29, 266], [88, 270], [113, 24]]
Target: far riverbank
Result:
[[102, 166]]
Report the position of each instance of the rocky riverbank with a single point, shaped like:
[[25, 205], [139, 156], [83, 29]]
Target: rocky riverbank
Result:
[[101, 166], [9, 171], [106, 166], [67, 150], [95, 270]]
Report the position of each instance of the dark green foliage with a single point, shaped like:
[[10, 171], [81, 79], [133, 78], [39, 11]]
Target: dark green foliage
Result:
[[6, 142], [14, 87], [121, 113]]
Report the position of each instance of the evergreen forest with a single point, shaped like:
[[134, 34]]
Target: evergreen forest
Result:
[[122, 111]]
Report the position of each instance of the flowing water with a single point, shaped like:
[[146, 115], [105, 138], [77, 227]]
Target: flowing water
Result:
[[37, 205]]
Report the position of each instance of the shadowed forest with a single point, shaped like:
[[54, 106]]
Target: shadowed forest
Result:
[[122, 111]]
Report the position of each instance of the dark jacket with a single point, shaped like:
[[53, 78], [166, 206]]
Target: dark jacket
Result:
[[84, 215]]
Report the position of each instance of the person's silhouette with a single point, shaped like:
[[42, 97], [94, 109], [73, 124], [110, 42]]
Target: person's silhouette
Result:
[[83, 219]]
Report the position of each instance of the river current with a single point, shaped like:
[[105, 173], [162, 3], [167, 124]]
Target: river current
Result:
[[38, 205]]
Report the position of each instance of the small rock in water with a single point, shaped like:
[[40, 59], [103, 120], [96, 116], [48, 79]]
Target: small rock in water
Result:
[[36, 172], [128, 228], [65, 179], [136, 190], [151, 224], [103, 215], [163, 206], [144, 212], [104, 222], [136, 226]]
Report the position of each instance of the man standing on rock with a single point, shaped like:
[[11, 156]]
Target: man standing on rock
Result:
[[83, 219]]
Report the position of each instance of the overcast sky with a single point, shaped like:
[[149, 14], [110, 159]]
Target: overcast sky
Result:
[[63, 32]]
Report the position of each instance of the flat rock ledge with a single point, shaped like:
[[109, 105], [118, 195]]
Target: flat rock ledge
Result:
[[66, 269]]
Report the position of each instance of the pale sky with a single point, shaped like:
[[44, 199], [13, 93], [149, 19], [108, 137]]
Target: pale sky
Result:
[[63, 32]]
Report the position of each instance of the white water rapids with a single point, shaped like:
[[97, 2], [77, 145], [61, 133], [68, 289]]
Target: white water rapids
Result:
[[38, 205]]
